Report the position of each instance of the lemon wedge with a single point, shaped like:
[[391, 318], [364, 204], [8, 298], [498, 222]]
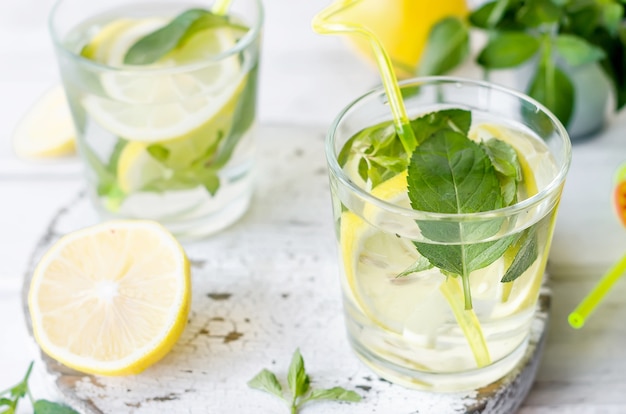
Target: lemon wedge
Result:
[[150, 107], [47, 129], [111, 299]]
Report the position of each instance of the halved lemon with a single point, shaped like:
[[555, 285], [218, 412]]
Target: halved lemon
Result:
[[111, 299], [47, 129]]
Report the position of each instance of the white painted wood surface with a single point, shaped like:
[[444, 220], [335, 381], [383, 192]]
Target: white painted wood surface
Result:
[[305, 80]]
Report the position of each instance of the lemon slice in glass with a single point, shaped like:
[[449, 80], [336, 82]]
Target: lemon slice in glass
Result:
[[164, 102], [373, 259], [111, 299]]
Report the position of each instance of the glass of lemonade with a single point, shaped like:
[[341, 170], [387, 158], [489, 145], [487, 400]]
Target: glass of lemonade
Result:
[[163, 96], [443, 244]]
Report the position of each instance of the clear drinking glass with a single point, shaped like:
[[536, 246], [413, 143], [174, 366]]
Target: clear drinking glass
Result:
[[405, 307], [171, 140]]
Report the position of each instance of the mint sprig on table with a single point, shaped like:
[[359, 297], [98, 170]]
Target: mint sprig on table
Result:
[[299, 384], [10, 398], [450, 173], [541, 33]]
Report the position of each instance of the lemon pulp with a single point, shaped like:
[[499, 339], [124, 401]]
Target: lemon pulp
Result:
[[111, 299]]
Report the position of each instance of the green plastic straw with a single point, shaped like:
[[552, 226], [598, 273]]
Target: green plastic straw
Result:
[[578, 317], [322, 24], [221, 7]]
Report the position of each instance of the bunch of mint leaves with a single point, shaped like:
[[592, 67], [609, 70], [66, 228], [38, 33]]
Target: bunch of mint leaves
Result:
[[203, 169], [299, 383], [544, 32], [10, 398], [452, 174]]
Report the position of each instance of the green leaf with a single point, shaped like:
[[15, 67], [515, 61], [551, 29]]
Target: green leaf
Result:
[[535, 13], [267, 381], [582, 20], [499, 14], [614, 64], [506, 163], [612, 15], [49, 407], [446, 48], [158, 152], [577, 51], [449, 173], [553, 88], [425, 126], [527, 253], [297, 378], [6, 402], [420, 265], [157, 44], [503, 157], [333, 394], [209, 179], [462, 259], [243, 118], [507, 50]]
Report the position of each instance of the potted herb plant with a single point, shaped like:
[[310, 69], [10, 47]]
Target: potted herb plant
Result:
[[574, 50]]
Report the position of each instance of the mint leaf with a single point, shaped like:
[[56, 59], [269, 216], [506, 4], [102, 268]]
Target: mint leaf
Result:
[[451, 174], [462, 259], [577, 51], [209, 179], [299, 384], [553, 88], [297, 378], [158, 152], [377, 152], [333, 394], [49, 407], [267, 381], [535, 13], [176, 33], [612, 15], [507, 50], [504, 159], [446, 48], [425, 126], [420, 265], [243, 118], [527, 253]]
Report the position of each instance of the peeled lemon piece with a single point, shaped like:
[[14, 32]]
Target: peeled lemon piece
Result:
[[111, 299], [47, 129]]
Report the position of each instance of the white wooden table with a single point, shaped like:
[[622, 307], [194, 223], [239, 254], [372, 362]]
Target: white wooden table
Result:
[[305, 80]]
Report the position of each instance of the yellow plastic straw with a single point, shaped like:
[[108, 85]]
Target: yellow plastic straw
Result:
[[323, 25], [221, 7], [592, 300]]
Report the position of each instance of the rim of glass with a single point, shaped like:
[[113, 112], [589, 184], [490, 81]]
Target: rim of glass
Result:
[[252, 34], [331, 155]]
